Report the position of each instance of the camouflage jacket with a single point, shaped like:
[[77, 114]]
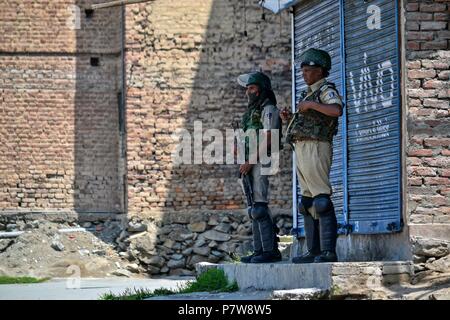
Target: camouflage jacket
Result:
[[314, 125]]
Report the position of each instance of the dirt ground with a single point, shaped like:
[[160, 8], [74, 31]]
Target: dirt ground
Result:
[[43, 251]]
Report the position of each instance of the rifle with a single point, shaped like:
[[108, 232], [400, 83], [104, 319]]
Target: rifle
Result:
[[246, 183], [289, 128], [244, 180]]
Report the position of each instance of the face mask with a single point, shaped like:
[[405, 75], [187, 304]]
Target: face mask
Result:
[[252, 98]]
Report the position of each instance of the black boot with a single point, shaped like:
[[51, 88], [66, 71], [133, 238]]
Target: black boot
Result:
[[311, 234], [267, 257], [264, 223], [312, 241], [257, 243], [247, 259], [328, 236], [326, 256]]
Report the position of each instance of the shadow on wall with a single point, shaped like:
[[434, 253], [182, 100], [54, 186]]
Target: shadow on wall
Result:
[[183, 58], [216, 100], [182, 62], [98, 186]]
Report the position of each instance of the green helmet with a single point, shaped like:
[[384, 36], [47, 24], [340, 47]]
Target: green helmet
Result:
[[257, 78], [316, 57]]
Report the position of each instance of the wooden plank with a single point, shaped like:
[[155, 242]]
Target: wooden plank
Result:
[[12, 234], [115, 3]]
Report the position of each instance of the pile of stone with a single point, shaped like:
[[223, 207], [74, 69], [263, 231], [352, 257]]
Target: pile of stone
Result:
[[175, 245], [431, 257], [43, 248]]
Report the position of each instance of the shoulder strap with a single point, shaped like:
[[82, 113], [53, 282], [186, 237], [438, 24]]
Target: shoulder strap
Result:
[[323, 87]]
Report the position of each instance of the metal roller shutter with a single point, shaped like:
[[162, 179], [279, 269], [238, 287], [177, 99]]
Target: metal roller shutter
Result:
[[366, 171], [373, 116]]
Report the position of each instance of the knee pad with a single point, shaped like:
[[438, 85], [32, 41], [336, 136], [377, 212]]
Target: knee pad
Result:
[[305, 204], [322, 204], [260, 211]]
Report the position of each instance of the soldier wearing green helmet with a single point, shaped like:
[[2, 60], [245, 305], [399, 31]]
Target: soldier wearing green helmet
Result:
[[310, 131], [261, 114]]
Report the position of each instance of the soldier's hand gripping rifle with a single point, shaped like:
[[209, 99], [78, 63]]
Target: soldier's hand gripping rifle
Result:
[[295, 121], [244, 180], [288, 134]]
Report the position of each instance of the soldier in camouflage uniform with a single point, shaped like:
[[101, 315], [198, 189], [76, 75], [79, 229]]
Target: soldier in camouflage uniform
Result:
[[261, 114], [310, 131]]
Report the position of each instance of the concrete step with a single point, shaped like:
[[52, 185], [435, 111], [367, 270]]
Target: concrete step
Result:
[[340, 278]]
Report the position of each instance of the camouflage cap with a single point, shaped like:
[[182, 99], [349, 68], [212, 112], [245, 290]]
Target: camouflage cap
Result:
[[257, 78], [316, 57]]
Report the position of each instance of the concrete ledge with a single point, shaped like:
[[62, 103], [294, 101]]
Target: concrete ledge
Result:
[[340, 278]]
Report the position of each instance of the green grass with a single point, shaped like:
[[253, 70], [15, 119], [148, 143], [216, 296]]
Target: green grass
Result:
[[21, 280], [286, 239], [213, 280]]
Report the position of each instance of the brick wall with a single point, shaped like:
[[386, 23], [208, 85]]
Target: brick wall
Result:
[[58, 114], [183, 58], [428, 92]]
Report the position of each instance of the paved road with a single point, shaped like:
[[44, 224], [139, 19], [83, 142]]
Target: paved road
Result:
[[89, 289]]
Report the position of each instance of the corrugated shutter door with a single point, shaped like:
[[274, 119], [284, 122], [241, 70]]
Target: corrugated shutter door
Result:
[[366, 171], [317, 24], [373, 112]]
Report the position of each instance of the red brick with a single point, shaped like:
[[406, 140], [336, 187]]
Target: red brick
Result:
[[418, 16], [413, 161], [438, 200], [436, 103], [433, 84], [420, 93], [433, 25], [423, 171], [413, 45], [416, 64], [435, 64], [414, 103], [443, 34], [444, 93], [416, 140], [415, 181], [437, 181], [438, 162], [414, 6], [444, 173], [441, 16], [434, 45], [432, 7], [437, 142], [421, 73], [419, 35], [412, 26], [445, 152], [444, 75], [420, 153], [441, 113], [424, 112], [444, 191]]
